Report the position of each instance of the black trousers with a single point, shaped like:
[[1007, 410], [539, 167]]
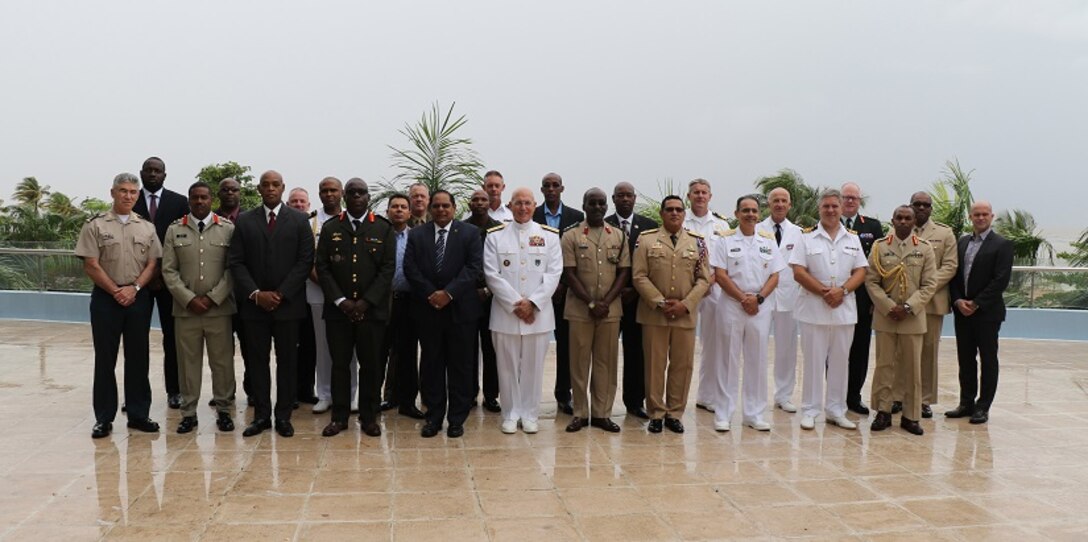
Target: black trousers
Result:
[[634, 376], [859, 348], [307, 356], [445, 371], [364, 339], [110, 323], [482, 342], [562, 353], [401, 353], [260, 334], [243, 347], [165, 303], [974, 336]]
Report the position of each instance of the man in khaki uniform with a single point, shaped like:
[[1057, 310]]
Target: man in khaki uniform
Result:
[[194, 268], [597, 264], [900, 281], [671, 275], [120, 254], [943, 242]]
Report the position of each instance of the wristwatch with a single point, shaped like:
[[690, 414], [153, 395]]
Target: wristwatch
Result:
[[136, 286], [906, 307], [661, 304], [845, 290], [759, 299]]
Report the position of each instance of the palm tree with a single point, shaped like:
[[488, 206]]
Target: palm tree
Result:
[[952, 198], [805, 203], [436, 156], [31, 193], [1018, 226]]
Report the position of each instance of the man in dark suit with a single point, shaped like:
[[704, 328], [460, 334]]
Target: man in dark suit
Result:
[[553, 213], [442, 262], [868, 230], [271, 255], [978, 307], [634, 376], [162, 207]]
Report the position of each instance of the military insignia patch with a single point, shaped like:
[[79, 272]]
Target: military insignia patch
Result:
[[536, 241], [536, 262], [337, 236]]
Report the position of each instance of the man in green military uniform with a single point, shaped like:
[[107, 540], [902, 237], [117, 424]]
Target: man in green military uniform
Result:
[[194, 269], [900, 279], [356, 258], [120, 254]]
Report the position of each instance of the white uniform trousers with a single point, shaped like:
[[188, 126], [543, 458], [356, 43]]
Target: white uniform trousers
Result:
[[825, 349], [712, 359], [323, 376], [746, 335], [520, 361], [785, 355]]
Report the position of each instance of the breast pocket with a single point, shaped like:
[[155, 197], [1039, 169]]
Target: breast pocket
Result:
[[109, 250], [140, 247]]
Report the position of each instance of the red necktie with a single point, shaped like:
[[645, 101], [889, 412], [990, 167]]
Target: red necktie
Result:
[[271, 221], [154, 207]]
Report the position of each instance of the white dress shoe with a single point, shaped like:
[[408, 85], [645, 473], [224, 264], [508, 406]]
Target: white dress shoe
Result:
[[787, 406], [529, 426], [842, 421], [721, 427], [509, 426], [758, 425], [322, 406], [808, 422]]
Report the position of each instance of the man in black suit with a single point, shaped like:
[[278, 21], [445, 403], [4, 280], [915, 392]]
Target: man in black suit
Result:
[[634, 377], [442, 262], [271, 255], [869, 230], [978, 307], [162, 207], [553, 213]]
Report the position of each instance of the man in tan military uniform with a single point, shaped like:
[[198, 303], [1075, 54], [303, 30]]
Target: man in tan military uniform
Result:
[[597, 264], [194, 269], [900, 280], [942, 240], [671, 273], [120, 253]]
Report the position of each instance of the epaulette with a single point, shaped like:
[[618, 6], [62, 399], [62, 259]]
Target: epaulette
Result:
[[379, 217], [571, 227], [724, 233], [96, 215], [719, 216], [694, 234], [855, 232], [182, 220], [765, 234], [941, 224], [546, 227], [494, 229], [808, 229], [312, 214], [651, 230]]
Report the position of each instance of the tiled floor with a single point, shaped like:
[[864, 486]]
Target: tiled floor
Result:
[[1023, 476]]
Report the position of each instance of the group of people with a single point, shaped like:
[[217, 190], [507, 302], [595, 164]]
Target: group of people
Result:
[[368, 312]]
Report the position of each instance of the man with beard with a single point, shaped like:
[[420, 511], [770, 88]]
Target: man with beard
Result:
[[478, 208]]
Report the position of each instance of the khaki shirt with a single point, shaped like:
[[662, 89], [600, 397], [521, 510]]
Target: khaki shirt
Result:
[[946, 258], [122, 248], [195, 264], [597, 254], [900, 271], [661, 271]]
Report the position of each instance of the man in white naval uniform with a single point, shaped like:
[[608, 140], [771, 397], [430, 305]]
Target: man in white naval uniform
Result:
[[829, 265], [746, 266], [712, 363], [787, 235], [522, 264], [494, 185]]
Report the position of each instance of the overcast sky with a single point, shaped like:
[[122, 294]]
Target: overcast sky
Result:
[[876, 92]]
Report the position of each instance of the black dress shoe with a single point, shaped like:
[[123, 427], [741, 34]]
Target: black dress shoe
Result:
[[576, 424], [674, 425], [911, 426], [211, 402], [638, 413], [388, 405], [174, 401], [145, 425], [370, 428], [295, 405], [411, 412], [257, 427], [187, 424], [101, 430], [897, 407], [474, 404], [284, 428], [882, 421], [430, 429], [492, 405], [927, 412], [455, 431], [980, 416], [605, 423], [224, 422], [858, 408], [566, 408], [124, 407], [654, 427], [333, 429], [961, 411], [308, 399]]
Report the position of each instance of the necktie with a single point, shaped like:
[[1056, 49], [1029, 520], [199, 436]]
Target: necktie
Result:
[[673, 237], [440, 250], [778, 234], [356, 224], [849, 222], [200, 226], [271, 221], [624, 224], [154, 209]]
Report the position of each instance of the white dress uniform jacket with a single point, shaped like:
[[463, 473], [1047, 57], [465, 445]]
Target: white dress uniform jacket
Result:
[[831, 262], [784, 297], [522, 261]]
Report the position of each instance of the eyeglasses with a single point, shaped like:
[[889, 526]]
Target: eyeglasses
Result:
[[673, 210], [851, 198], [921, 204]]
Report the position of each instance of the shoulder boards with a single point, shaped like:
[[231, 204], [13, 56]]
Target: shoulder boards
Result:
[[494, 229], [694, 234], [809, 229], [855, 232], [725, 233], [765, 234], [546, 227], [312, 214], [718, 216], [571, 227], [95, 216], [182, 220], [651, 230], [940, 224]]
